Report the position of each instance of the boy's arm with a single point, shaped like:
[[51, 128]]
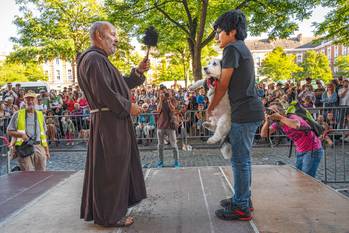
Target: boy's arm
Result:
[[230, 61], [221, 89]]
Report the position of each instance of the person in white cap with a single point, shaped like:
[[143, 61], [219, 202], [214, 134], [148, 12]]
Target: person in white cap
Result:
[[26, 124]]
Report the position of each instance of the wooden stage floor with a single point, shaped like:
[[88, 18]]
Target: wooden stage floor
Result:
[[179, 200]]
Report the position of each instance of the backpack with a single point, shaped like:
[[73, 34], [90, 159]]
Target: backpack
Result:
[[297, 109]]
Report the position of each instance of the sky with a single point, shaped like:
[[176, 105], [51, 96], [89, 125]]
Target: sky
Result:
[[9, 9]]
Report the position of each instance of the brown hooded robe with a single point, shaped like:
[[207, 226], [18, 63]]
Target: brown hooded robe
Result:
[[113, 174]]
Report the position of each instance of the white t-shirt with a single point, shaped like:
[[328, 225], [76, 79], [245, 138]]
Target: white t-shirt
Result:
[[41, 107], [345, 99]]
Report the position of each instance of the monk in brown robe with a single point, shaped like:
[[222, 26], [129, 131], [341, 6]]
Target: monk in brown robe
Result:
[[113, 174]]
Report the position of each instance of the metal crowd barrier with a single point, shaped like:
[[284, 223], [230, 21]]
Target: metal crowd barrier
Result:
[[339, 113], [336, 159], [65, 131], [4, 152]]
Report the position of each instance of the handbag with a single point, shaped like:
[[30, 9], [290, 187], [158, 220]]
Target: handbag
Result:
[[27, 147]]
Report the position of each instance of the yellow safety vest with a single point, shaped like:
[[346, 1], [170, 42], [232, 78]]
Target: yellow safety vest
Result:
[[21, 126]]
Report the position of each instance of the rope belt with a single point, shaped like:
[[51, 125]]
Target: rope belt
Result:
[[99, 110]]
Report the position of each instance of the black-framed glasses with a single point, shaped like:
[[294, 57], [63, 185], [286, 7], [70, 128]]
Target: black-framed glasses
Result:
[[217, 32]]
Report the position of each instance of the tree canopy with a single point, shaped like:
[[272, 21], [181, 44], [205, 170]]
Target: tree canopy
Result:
[[342, 62], [316, 66], [277, 65], [14, 72], [336, 24], [49, 28], [189, 23]]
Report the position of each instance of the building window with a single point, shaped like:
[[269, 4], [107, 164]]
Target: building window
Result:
[[299, 58], [57, 61], [344, 50], [329, 53], [70, 74], [336, 51], [58, 74]]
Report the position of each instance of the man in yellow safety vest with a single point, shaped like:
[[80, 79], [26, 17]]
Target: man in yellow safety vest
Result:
[[29, 123]]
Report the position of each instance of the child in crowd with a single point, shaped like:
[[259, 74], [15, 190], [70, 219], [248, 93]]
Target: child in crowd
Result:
[[331, 120], [183, 119], [68, 128], [199, 120], [52, 125], [324, 137]]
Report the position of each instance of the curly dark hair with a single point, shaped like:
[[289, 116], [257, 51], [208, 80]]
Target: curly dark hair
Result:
[[231, 20]]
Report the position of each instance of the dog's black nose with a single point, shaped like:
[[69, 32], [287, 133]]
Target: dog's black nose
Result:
[[205, 68]]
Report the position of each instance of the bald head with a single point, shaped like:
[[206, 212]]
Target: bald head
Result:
[[99, 27], [103, 35]]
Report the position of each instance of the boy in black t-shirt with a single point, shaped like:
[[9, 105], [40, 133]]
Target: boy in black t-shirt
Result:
[[238, 78]]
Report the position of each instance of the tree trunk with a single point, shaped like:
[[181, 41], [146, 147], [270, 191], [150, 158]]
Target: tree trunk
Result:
[[196, 63], [195, 52], [184, 70], [73, 67]]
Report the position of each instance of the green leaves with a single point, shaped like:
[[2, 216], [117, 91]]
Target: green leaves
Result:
[[20, 73], [342, 62], [336, 24], [316, 66], [187, 25], [277, 65], [53, 28]]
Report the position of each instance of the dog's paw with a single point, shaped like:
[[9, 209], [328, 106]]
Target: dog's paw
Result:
[[226, 151], [213, 140], [209, 126]]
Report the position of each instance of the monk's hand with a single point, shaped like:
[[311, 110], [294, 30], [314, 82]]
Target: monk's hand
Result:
[[143, 66], [135, 110]]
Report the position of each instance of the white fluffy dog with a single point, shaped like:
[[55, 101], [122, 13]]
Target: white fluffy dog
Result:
[[220, 121]]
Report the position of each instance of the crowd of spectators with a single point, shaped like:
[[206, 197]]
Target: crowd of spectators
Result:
[[67, 112], [332, 97]]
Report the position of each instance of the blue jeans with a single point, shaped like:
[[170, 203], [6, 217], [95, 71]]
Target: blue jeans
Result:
[[309, 161], [241, 139]]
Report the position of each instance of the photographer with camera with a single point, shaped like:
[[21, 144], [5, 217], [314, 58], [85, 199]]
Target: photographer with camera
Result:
[[309, 149], [9, 93], [167, 125], [28, 127]]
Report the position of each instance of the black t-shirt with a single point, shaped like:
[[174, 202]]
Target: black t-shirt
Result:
[[245, 104]]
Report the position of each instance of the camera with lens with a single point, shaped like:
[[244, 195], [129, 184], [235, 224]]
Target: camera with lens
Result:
[[269, 111]]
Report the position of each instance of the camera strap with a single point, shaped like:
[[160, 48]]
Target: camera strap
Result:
[[35, 124]]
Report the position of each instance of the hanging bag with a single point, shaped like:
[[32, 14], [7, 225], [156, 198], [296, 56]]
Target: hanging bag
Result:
[[27, 147]]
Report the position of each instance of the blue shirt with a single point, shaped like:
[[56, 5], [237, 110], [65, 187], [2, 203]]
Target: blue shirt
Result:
[[200, 99]]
